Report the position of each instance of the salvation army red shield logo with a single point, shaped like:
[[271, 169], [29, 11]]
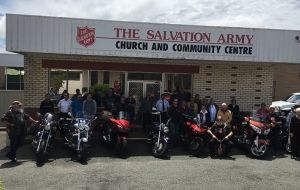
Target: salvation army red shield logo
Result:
[[86, 36]]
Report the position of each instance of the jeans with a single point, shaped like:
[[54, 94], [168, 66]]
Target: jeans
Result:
[[15, 143]]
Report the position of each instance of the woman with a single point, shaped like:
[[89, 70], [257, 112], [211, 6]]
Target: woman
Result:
[[202, 116], [295, 134]]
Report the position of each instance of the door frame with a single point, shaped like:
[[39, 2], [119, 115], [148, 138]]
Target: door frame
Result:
[[144, 82]]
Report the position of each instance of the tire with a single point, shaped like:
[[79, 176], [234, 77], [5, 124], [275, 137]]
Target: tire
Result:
[[160, 150], [287, 147], [40, 156], [196, 147], [259, 153], [121, 148], [82, 153]]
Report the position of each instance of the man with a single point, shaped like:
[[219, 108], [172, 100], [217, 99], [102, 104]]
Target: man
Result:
[[76, 106], [225, 114], [213, 131], [46, 105], [89, 107], [176, 120], [212, 110], [130, 104], [64, 106], [295, 134], [262, 112], [275, 130], [77, 92], [235, 110], [162, 105], [146, 108], [15, 127]]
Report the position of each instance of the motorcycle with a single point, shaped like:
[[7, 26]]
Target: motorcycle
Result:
[[42, 141], [194, 136], [115, 132], [77, 136], [158, 136], [254, 135]]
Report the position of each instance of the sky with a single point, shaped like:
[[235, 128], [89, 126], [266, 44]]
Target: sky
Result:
[[275, 14]]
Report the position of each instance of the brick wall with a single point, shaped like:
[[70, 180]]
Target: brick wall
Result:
[[35, 81], [287, 80], [250, 83]]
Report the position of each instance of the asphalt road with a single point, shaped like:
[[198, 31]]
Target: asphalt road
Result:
[[142, 171]]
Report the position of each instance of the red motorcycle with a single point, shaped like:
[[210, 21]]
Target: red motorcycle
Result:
[[254, 133], [194, 135], [115, 132]]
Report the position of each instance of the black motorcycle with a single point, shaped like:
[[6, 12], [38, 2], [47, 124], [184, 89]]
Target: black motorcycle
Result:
[[158, 136], [77, 136], [42, 141]]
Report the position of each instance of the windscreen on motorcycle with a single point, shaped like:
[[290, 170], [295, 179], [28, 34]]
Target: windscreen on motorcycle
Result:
[[122, 115], [257, 117]]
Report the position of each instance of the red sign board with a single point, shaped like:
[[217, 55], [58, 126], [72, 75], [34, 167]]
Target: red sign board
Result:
[[86, 36]]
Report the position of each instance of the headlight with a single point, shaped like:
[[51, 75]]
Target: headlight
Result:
[[48, 127], [256, 129], [165, 129], [76, 125]]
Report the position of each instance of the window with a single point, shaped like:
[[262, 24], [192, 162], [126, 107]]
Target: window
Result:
[[69, 80], [11, 78], [181, 81]]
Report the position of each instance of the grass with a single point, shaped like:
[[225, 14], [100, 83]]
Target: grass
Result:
[[1, 185]]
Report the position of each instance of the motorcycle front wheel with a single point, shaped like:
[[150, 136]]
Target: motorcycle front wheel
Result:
[[82, 152], [40, 152], [160, 150], [196, 147], [121, 148], [259, 151]]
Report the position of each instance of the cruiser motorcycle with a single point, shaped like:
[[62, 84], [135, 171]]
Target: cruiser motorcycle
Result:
[[194, 135], [42, 141], [158, 136], [77, 137]]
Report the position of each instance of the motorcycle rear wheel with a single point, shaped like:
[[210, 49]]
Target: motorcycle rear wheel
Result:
[[196, 147]]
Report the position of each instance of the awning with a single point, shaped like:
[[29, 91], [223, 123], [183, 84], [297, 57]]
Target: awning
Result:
[[131, 67]]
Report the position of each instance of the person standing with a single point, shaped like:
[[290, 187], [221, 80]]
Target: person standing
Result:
[[46, 105], [130, 104], [262, 112], [146, 108], [162, 105], [235, 110], [225, 114], [295, 134], [77, 92], [64, 106], [16, 128], [203, 116], [89, 107], [176, 120], [275, 130], [212, 110], [76, 106]]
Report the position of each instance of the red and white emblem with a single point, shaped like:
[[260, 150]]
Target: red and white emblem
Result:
[[86, 36]]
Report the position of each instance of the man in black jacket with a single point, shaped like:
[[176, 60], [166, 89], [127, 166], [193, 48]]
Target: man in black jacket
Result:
[[46, 105], [15, 127]]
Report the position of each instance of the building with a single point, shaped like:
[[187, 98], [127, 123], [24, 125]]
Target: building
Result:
[[137, 58], [11, 80]]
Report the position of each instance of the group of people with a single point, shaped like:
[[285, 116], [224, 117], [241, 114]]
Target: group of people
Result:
[[207, 113]]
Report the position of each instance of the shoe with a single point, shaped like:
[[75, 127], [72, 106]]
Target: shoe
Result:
[[293, 157], [13, 160]]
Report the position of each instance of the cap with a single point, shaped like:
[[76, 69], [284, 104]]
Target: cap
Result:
[[16, 103]]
